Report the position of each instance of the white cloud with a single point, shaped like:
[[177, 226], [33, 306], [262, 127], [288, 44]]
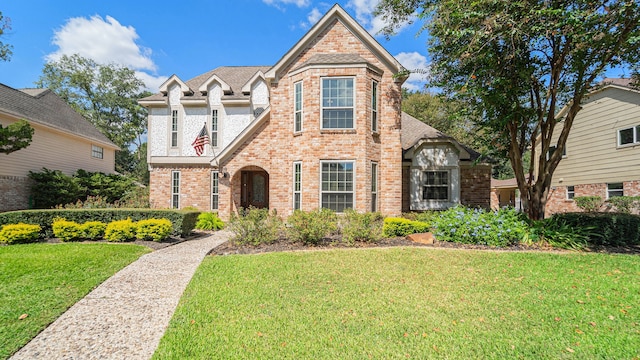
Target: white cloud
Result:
[[278, 3], [419, 67], [364, 14], [151, 81], [105, 41], [314, 16]]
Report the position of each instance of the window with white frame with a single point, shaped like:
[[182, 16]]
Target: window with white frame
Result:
[[97, 152], [337, 103], [214, 128], [175, 189], [215, 177], [297, 108], [374, 106], [553, 149], [571, 192], [374, 187], [174, 128], [435, 185], [615, 189], [297, 185], [629, 136], [337, 191]]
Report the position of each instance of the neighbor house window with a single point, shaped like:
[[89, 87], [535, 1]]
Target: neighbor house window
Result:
[[214, 190], [374, 187], [435, 185], [615, 189], [175, 189], [337, 103], [571, 192], [553, 149], [214, 128], [297, 110], [174, 128], [374, 106], [297, 185], [97, 152], [629, 136], [337, 185]]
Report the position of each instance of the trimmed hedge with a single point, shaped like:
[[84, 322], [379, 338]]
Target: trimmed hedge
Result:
[[402, 227], [19, 233], [182, 221], [609, 229]]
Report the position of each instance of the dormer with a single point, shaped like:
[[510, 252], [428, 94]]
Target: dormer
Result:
[[226, 89], [164, 88], [246, 89]]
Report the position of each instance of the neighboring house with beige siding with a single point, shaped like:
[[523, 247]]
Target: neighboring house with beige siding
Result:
[[62, 140], [602, 155]]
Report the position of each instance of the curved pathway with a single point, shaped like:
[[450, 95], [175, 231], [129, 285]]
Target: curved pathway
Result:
[[124, 317]]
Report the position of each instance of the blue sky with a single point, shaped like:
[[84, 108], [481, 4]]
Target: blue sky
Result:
[[187, 38]]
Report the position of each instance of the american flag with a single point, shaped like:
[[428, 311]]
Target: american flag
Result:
[[200, 141]]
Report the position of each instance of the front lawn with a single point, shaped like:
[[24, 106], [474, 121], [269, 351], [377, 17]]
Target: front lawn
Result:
[[409, 303], [44, 280]]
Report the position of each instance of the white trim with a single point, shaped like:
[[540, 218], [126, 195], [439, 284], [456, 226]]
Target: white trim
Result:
[[375, 191], [353, 106], [177, 127], [301, 83], [164, 88], [374, 109], [609, 190], [217, 131], [449, 185], [217, 193], [246, 89], [353, 180], [636, 136], [299, 192], [173, 194], [95, 149], [204, 87], [567, 192]]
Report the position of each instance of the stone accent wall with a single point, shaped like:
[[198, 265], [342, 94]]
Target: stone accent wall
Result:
[[14, 193], [557, 201], [475, 185]]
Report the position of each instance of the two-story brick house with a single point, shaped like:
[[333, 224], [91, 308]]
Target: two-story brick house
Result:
[[320, 128]]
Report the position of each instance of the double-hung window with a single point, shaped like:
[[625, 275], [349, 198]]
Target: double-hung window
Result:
[[337, 191], [214, 128], [629, 136], [297, 109], [337, 103], [571, 192], [214, 189], [97, 152], [615, 189], [374, 106], [435, 185], [297, 185], [374, 187], [175, 189], [174, 128]]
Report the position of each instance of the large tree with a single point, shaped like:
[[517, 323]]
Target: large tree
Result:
[[15, 136], [5, 49], [107, 96], [516, 63]]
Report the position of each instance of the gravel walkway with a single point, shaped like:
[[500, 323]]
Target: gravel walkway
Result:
[[124, 317]]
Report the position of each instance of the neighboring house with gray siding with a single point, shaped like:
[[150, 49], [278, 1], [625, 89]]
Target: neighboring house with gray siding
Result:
[[63, 140]]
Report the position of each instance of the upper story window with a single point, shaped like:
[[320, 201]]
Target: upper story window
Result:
[[97, 152], [553, 149], [214, 128], [174, 128], [297, 110], [374, 106], [337, 103], [629, 136]]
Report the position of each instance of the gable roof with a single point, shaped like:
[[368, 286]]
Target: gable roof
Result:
[[339, 14], [44, 107]]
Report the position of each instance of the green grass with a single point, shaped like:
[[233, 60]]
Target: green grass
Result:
[[409, 303], [44, 280]]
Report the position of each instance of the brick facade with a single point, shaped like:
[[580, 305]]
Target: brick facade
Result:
[[557, 201], [475, 186], [14, 193]]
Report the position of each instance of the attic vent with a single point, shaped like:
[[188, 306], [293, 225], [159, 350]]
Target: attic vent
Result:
[[258, 111]]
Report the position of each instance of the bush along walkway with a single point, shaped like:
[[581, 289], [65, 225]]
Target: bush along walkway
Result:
[[124, 317]]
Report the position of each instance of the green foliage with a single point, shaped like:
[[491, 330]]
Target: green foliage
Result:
[[209, 221], [310, 227], [53, 187], [365, 227], [17, 135], [120, 230], [588, 203], [5, 49], [67, 230], [624, 204], [555, 232], [93, 230], [183, 221], [402, 227], [254, 226], [19, 233], [477, 226], [153, 229], [606, 229]]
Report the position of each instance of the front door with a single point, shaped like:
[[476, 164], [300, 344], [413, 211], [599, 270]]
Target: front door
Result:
[[255, 189]]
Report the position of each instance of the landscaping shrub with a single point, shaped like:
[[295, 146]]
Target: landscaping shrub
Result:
[[422, 216], [120, 230], [355, 226], [209, 221], [153, 229], [588, 203], [67, 230], [255, 226], [310, 227], [605, 229], [93, 230], [402, 227], [555, 232], [623, 204], [476, 226], [19, 233]]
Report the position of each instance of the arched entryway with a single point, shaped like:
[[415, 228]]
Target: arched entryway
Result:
[[254, 188]]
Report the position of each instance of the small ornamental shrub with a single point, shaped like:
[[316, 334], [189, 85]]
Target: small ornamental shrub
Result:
[[209, 221], [120, 230], [153, 229], [67, 230], [254, 226], [19, 233], [623, 204], [310, 227], [477, 226], [93, 230], [588, 203], [365, 227], [402, 227], [555, 232]]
